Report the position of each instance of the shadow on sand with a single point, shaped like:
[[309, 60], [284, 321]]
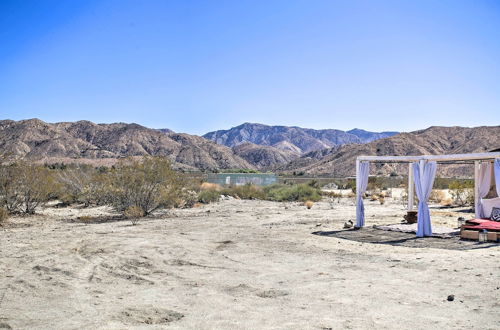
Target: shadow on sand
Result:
[[394, 238]]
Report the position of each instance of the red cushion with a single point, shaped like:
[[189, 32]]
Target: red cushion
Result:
[[478, 221], [483, 224]]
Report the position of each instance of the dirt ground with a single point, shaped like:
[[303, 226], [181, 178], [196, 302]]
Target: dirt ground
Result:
[[240, 265]]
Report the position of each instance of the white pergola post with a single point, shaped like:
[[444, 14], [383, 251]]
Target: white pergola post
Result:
[[477, 164], [411, 184], [357, 179]]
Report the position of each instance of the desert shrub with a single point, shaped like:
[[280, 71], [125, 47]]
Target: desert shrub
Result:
[[9, 195], [134, 213], [208, 196], [149, 184], [331, 194], [189, 199], [446, 202], [300, 192], [210, 186], [25, 186], [381, 200], [437, 195], [461, 192], [4, 215], [83, 185], [308, 204], [247, 191]]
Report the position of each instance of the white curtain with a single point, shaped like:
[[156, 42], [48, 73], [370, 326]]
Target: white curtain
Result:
[[497, 175], [483, 186], [423, 187], [361, 184]]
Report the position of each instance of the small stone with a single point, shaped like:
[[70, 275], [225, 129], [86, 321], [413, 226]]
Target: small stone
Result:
[[451, 297]]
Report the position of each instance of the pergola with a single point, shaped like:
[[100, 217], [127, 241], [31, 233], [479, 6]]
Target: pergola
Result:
[[421, 174]]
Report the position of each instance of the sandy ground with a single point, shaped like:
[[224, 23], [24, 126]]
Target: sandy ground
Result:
[[238, 265]]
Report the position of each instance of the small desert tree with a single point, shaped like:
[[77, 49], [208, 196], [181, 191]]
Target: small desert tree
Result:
[[9, 198], [83, 185], [25, 186], [35, 186], [149, 184]]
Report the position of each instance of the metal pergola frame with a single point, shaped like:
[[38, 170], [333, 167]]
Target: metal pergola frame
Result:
[[477, 158]]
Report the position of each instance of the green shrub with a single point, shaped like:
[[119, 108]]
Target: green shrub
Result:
[[248, 191], [300, 192], [150, 184], [208, 196]]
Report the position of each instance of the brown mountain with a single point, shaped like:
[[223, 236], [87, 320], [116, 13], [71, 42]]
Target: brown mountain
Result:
[[264, 157], [292, 138], [436, 140], [84, 140]]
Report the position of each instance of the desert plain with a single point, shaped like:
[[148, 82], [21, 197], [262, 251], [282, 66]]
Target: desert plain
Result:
[[242, 264]]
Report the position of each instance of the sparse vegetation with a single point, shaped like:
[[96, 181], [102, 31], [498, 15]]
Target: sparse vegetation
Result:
[[150, 184], [462, 192], [208, 196], [4, 215], [300, 192], [134, 213], [308, 204], [25, 186], [247, 191]]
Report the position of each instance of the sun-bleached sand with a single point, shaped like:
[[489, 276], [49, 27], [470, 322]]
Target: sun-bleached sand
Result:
[[238, 265]]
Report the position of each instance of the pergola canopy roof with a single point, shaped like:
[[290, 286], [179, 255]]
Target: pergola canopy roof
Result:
[[436, 158]]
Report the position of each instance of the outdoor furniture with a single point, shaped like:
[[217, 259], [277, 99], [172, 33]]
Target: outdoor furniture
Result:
[[472, 228]]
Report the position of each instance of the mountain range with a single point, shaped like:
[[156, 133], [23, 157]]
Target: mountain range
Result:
[[295, 139], [84, 140], [250, 146]]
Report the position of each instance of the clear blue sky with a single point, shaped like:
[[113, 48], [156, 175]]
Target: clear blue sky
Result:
[[196, 66]]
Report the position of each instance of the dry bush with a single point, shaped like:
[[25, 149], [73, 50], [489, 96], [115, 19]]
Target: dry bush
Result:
[[83, 185], [437, 195], [4, 215], [446, 202], [374, 197], [332, 194], [351, 195], [309, 204], [462, 192], [134, 213], [381, 200], [149, 184], [210, 186], [25, 186]]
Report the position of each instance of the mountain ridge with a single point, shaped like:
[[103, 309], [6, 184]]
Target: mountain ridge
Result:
[[303, 140]]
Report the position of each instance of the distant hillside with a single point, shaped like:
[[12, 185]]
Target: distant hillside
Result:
[[367, 136], [264, 157], [295, 139], [37, 140], [340, 161]]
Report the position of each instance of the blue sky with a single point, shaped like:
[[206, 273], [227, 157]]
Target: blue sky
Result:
[[197, 66]]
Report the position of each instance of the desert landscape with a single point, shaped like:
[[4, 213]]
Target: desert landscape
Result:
[[242, 264], [235, 165]]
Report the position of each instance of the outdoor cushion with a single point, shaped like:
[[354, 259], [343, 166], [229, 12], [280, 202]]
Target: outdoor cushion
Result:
[[489, 204], [476, 221], [485, 224], [495, 214]]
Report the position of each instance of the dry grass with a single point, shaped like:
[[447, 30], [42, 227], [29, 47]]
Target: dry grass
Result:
[[437, 196], [210, 186], [309, 204]]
